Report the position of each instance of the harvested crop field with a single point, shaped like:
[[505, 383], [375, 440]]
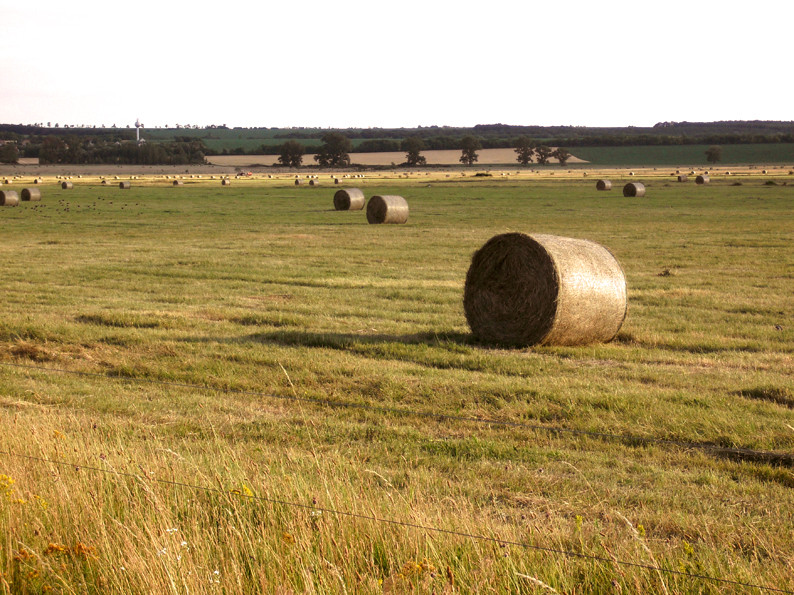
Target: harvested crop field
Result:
[[243, 389]]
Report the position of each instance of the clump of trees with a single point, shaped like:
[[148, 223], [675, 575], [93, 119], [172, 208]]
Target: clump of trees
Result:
[[413, 147], [291, 154], [714, 154], [469, 145], [335, 150], [9, 153]]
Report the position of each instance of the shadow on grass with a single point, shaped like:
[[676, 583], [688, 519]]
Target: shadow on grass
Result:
[[781, 396], [349, 340]]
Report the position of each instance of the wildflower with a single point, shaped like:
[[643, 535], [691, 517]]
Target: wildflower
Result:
[[84, 551], [41, 502], [288, 538], [54, 549], [24, 555], [641, 530]]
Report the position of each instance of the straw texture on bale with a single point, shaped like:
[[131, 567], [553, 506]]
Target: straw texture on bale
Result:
[[349, 199], [31, 194], [544, 290], [682, 178], [604, 185], [387, 209], [8, 198], [124, 185], [634, 189], [67, 185], [702, 179]]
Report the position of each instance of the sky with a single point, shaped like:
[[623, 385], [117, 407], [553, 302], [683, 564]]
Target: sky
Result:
[[376, 63]]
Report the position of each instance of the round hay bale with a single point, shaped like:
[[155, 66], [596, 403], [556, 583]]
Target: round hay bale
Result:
[[226, 182], [104, 182], [31, 194], [298, 181], [604, 185], [682, 178], [313, 182], [544, 290], [178, 183], [349, 199], [39, 181], [124, 185], [634, 189], [8, 198], [336, 180], [702, 179], [387, 209], [67, 185]]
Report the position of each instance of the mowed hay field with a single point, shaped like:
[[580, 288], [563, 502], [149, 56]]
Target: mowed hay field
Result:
[[240, 389]]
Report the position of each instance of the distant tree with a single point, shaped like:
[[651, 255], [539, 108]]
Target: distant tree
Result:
[[542, 154], [561, 154], [714, 154], [525, 148], [334, 151], [291, 154], [413, 146], [469, 145], [9, 153]]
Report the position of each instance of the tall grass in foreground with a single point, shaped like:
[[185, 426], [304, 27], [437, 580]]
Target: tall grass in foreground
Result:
[[266, 291]]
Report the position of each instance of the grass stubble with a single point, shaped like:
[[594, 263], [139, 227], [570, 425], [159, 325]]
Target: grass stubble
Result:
[[268, 292]]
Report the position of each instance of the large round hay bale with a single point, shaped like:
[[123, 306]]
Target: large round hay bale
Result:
[[349, 199], [604, 185], [226, 182], [178, 183], [67, 185], [543, 289], [387, 209], [702, 179], [682, 178], [8, 198], [31, 194], [634, 189], [124, 185]]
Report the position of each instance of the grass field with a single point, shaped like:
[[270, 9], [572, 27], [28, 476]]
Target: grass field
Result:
[[207, 389]]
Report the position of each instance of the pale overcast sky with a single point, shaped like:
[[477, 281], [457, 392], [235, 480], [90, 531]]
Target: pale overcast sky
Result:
[[348, 63]]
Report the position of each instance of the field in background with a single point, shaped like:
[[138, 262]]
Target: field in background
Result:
[[220, 372]]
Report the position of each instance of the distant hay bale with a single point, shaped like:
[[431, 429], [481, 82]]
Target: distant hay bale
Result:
[[336, 180], [226, 182], [67, 185], [763, 171], [37, 181], [702, 179], [634, 189], [104, 182], [604, 185], [178, 183], [544, 290], [8, 198], [387, 209], [682, 178], [313, 182], [349, 199], [298, 181], [31, 194], [631, 173], [124, 185]]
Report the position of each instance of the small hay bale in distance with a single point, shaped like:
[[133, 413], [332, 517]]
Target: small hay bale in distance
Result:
[[388, 208], [31, 194], [8, 198], [604, 185], [542, 289], [349, 199], [298, 181], [313, 182], [682, 178], [124, 185], [634, 189], [226, 182], [178, 183], [66, 185], [38, 181], [702, 179]]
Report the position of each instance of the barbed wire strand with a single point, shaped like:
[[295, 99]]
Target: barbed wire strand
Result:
[[395, 522], [786, 459]]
